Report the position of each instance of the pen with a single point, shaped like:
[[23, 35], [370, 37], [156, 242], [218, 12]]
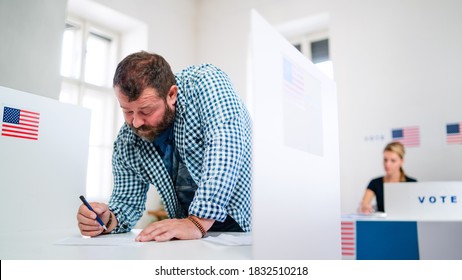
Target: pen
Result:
[[91, 209]]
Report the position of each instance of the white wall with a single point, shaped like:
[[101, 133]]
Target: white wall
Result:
[[403, 71], [171, 27], [396, 63], [31, 35]]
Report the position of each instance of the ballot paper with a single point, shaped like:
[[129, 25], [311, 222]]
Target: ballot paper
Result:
[[365, 215], [123, 239], [230, 240]]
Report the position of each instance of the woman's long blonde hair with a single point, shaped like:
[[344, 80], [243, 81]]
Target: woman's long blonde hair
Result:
[[397, 148]]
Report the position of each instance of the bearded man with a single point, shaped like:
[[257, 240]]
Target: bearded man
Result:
[[188, 135]]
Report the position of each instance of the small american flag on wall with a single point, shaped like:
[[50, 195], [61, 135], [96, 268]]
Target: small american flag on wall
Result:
[[20, 123], [294, 82], [454, 133], [408, 136]]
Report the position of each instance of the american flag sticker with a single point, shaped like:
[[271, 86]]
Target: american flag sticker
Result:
[[408, 136], [454, 133], [348, 233], [20, 123], [294, 83]]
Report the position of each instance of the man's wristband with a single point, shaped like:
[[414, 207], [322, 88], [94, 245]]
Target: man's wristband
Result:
[[198, 225]]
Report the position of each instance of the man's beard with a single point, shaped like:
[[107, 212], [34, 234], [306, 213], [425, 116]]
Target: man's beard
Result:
[[149, 133]]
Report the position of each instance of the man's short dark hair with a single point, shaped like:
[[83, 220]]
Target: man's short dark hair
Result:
[[141, 70]]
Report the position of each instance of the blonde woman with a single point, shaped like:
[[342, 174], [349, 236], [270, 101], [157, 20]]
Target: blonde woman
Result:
[[393, 159]]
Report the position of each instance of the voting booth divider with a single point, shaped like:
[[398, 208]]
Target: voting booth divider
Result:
[[296, 186], [43, 161]]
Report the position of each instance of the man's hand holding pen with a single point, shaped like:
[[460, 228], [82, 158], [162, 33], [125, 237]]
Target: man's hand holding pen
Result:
[[93, 218]]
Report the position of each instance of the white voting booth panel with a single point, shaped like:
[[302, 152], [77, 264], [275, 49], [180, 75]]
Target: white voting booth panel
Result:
[[296, 189], [43, 159], [424, 200]]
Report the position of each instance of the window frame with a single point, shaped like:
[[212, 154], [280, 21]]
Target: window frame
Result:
[[305, 41], [87, 27], [78, 83]]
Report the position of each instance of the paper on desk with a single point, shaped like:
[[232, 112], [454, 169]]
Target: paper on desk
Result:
[[231, 240], [123, 239], [366, 215]]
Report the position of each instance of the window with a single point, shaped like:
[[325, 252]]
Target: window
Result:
[[316, 48], [88, 63]]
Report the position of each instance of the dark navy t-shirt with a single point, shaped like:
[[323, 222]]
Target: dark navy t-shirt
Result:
[[376, 185]]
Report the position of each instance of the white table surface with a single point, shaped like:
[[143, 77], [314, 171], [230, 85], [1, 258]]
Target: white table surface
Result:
[[40, 245]]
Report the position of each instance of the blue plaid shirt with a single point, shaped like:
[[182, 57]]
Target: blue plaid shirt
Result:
[[213, 136]]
